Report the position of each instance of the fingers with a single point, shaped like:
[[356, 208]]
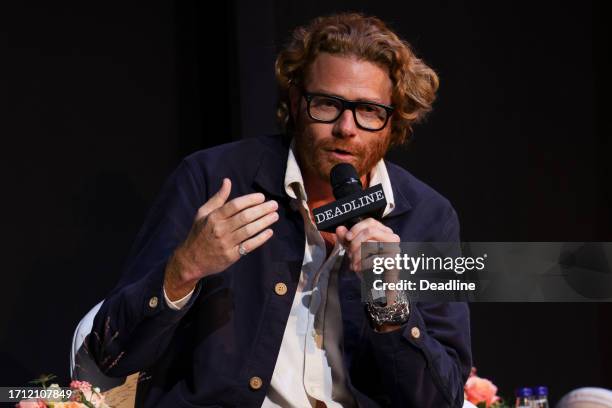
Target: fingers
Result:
[[240, 203], [251, 214], [372, 234], [247, 231], [221, 225], [216, 200], [367, 235], [369, 230], [358, 264], [257, 241], [367, 223]]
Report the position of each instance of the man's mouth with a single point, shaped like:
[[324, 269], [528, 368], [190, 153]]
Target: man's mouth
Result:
[[341, 152]]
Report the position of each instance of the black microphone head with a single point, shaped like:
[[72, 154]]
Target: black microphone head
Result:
[[344, 180]]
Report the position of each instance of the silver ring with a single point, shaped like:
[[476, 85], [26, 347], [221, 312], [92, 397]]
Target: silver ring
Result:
[[241, 250]]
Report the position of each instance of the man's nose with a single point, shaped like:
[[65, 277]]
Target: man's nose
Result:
[[345, 125]]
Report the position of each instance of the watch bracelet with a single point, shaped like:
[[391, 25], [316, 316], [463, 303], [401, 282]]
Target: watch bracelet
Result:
[[396, 313]]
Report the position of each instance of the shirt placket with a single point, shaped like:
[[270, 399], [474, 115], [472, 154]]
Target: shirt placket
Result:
[[315, 367]]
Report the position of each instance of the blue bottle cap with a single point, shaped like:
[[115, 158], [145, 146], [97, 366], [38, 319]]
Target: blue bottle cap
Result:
[[541, 390], [524, 392]]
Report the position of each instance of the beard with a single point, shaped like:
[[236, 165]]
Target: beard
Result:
[[315, 156]]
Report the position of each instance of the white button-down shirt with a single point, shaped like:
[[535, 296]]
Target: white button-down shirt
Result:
[[310, 367]]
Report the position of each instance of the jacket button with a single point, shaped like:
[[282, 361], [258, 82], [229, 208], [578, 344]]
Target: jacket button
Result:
[[280, 288], [153, 302], [415, 332], [255, 383]]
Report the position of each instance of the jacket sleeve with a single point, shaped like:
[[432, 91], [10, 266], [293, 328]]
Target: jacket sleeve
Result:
[[134, 326], [426, 362]]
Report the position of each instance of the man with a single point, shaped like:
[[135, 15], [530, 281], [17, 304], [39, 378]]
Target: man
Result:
[[249, 305]]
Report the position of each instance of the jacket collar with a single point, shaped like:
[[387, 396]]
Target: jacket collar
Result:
[[399, 185], [270, 175]]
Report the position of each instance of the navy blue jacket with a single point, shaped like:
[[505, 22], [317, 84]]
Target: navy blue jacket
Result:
[[231, 330]]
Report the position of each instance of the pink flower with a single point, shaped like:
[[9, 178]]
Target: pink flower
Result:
[[480, 390], [80, 385], [85, 392]]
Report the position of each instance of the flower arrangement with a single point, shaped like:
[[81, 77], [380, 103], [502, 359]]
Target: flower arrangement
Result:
[[82, 395], [482, 392]]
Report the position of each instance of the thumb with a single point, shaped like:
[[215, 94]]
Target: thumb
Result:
[[341, 234], [216, 200]]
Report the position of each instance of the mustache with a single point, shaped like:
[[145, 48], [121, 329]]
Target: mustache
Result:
[[335, 146]]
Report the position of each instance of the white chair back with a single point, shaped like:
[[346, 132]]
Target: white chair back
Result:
[[82, 366]]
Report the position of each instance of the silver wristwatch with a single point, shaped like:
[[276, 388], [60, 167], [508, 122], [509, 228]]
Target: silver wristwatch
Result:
[[395, 313]]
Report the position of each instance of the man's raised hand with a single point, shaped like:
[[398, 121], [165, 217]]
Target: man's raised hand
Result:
[[212, 245]]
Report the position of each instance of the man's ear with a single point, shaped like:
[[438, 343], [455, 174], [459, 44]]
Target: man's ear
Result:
[[294, 101]]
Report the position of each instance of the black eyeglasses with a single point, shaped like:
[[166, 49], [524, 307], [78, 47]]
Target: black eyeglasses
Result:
[[328, 108]]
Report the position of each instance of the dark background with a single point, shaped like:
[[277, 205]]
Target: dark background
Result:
[[104, 99]]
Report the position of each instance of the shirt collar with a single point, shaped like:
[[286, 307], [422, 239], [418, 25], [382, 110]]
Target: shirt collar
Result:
[[294, 183]]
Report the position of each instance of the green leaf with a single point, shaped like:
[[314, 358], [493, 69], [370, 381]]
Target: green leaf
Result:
[[44, 379]]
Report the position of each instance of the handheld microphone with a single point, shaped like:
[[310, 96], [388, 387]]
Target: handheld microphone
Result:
[[353, 204], [344, 180]]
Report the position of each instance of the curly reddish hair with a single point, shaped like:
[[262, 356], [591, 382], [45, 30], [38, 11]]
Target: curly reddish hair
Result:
[[368, 38]]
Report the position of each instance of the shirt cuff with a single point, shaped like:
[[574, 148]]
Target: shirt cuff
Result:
[[178, 304]]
